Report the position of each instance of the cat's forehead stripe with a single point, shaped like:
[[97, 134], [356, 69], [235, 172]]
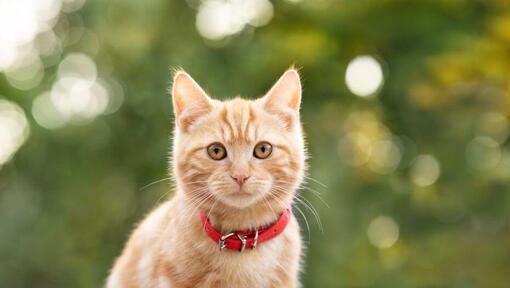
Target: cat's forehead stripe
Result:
[[237, 117], [227, 124]]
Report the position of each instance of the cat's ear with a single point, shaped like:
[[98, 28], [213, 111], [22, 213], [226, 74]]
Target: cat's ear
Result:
[[284, 98], [189, 100]]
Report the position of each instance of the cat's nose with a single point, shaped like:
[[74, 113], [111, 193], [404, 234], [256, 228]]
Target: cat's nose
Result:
[[240, 178]]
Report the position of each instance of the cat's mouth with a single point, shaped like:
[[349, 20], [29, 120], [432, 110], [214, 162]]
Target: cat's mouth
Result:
[[240, 198], [240, 193]]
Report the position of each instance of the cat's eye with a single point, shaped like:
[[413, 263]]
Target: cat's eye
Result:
[[217, 151], [262, 150]]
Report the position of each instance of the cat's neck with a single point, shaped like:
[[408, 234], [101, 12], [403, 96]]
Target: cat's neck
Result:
[[246, 219], [227, 219]]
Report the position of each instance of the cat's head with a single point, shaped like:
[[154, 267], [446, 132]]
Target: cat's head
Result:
[[238, 153]]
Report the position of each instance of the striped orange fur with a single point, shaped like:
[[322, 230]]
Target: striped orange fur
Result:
[[169, 248]]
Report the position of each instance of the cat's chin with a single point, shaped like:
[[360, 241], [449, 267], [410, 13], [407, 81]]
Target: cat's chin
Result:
[[240, 200]]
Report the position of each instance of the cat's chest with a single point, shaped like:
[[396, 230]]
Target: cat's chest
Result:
[[202, 263], [258, 267]]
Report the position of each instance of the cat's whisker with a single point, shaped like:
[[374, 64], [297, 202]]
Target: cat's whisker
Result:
[[306, 188], [192, 173], [212, 207], [194, 200], [161, 197], [195, 182], [259, 181], [220, 185], [301, 186], [201, 203], [306, 223], [305, 203], [172, 187], [211, 210], [308, 205], [268, 205], [314, 212], [316, 181], [198, 191], [197, 202], [154, 182], [316, 194], [276, 197]]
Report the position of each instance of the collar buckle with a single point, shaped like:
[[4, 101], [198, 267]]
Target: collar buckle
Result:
[[246, 239], [221, 243], [242, 238], [255, 240]]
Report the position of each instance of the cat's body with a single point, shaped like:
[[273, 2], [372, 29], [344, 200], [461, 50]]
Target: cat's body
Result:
[[183, 256], [240, 162]]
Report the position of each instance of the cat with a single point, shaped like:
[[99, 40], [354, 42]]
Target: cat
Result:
[[238, 164]]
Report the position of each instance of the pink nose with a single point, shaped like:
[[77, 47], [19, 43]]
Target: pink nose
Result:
[[240, 179]]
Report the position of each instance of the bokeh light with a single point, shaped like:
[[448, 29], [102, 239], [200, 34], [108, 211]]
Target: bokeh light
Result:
[[483, 153], [425, 170], [78, 95], [45, 113], [385, 156], [79, 98], [20, 23], [364, 76], [383, 232], [72, 5], [503, 166], [14, 129], [355, 148], [77, 65], [115, 95], [368, 141], [493, 125], [217, 19], [25, 76]]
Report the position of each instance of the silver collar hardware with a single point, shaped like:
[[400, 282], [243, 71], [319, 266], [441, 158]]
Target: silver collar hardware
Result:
[[222, 240], [255, 239], [243, 241], [242, 238]]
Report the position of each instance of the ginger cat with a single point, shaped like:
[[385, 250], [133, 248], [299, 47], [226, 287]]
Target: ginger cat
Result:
[[237, 164]]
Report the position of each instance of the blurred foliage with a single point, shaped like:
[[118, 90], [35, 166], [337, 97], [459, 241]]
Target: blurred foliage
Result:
[[70, 196]]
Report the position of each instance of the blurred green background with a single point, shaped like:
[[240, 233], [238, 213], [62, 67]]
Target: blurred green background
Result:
[[406, 107]]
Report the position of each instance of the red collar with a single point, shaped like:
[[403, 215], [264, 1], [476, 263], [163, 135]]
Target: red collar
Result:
[[241, 240]]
